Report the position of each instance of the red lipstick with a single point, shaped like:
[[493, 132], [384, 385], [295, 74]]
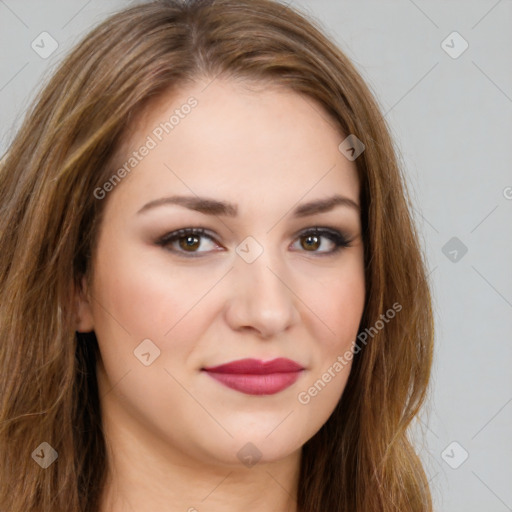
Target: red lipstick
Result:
[[255, 377]]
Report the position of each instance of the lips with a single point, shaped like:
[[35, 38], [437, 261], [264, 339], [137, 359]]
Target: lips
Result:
[[255, 377]]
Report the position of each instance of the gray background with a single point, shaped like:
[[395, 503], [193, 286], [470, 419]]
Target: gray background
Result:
[[452, 123]]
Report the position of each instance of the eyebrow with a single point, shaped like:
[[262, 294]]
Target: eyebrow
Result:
[[210, 206]]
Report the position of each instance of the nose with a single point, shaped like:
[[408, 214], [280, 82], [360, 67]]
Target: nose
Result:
[[261, 298]]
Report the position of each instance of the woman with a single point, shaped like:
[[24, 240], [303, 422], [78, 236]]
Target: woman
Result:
[[212, 291]]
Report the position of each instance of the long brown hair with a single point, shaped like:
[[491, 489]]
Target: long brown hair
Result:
[[361, 460]]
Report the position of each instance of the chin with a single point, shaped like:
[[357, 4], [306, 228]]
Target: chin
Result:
[[249, 448]]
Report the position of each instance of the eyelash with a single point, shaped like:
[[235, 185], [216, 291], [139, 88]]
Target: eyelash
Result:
[[339, 239]]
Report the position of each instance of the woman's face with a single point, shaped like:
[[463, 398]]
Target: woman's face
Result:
[[250, 167]]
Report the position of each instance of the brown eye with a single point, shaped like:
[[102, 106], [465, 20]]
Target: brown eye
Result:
[[311, 242], [187, 240]]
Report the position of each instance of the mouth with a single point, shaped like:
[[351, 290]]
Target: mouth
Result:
[[255, 377]]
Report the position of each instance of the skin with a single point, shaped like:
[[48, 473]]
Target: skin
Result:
[[173, 432]]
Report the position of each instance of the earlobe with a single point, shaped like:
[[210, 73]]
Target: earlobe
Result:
[[84, 320]]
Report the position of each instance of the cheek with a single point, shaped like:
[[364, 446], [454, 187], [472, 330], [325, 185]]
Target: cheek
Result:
[[340, 304], [343, 311], [336, 305], [138, 301]]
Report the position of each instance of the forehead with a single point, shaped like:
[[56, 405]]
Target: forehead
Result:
[[239, 139]]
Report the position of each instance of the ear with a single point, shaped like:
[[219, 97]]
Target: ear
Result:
[[84, 319]]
